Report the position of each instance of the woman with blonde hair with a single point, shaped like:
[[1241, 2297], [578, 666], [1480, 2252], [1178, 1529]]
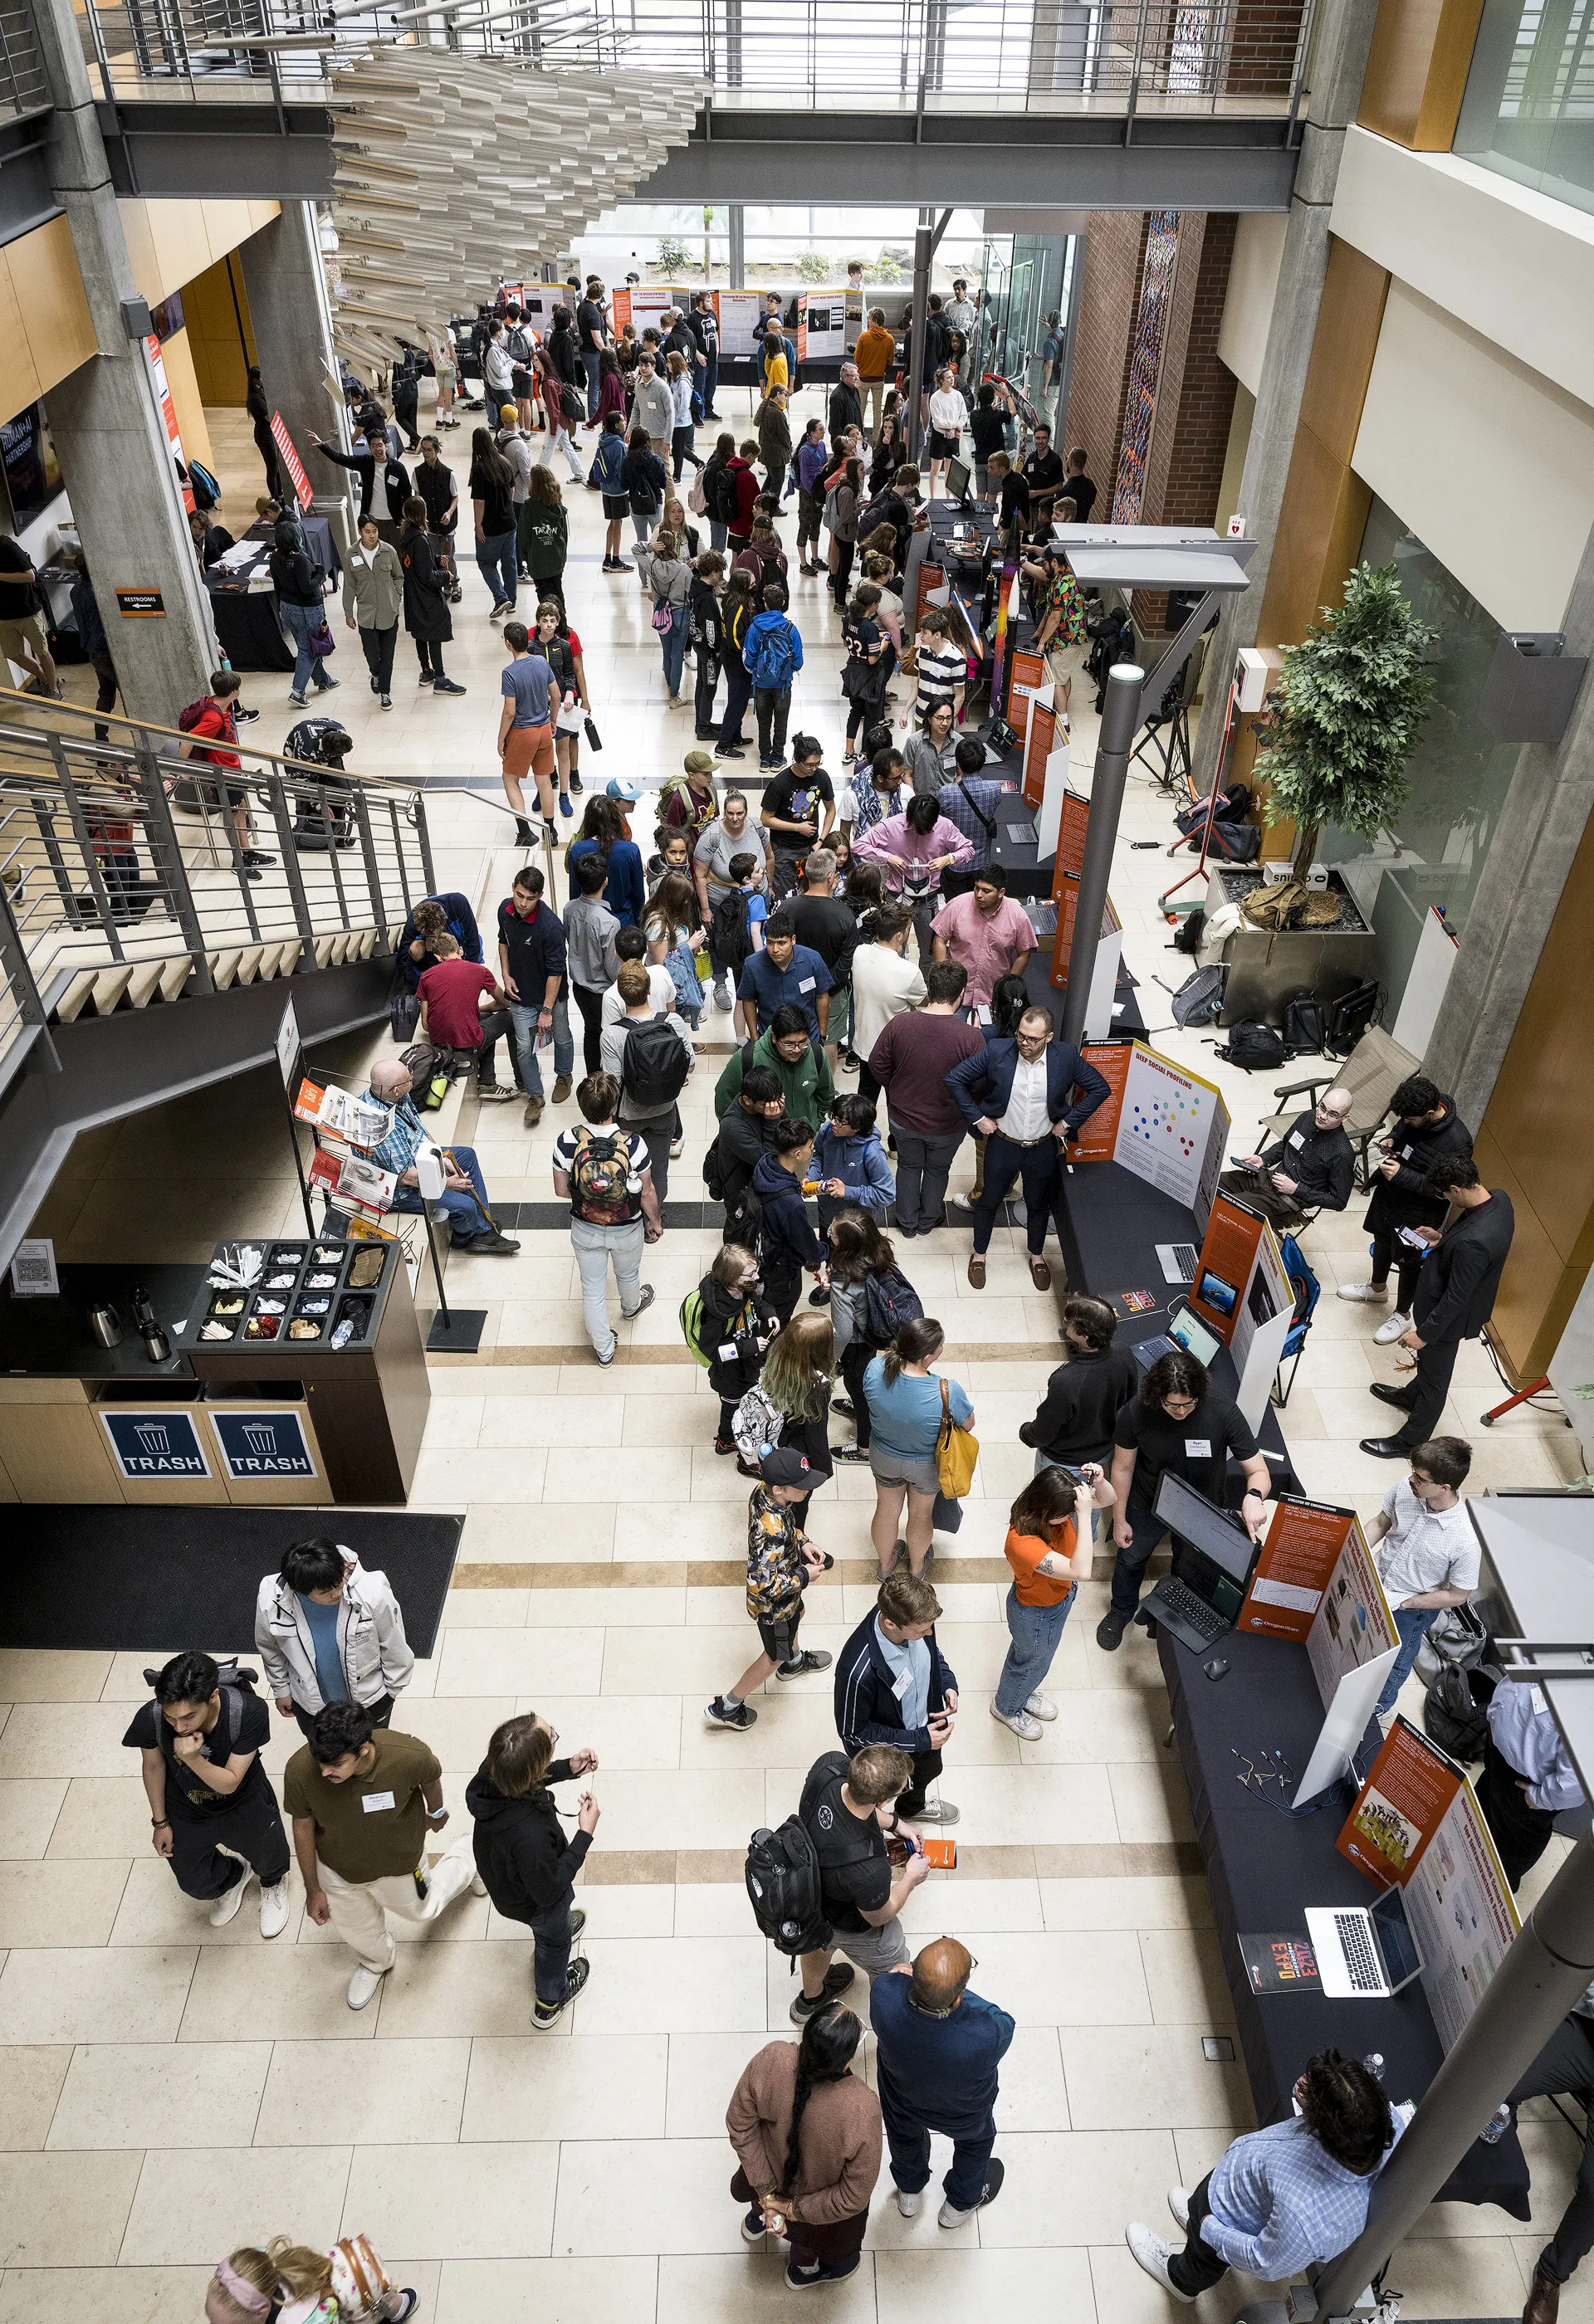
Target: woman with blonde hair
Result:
[[795, 1382], [292, 2284]]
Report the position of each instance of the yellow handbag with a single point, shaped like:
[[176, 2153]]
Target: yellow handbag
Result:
[[956, 1452]]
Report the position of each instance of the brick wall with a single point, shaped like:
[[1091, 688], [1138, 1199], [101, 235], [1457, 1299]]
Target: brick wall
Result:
[[1206, 392], [1109, 294]]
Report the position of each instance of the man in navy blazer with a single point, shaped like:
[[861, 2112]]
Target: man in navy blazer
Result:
[[894, 1685], [1020, 1095]]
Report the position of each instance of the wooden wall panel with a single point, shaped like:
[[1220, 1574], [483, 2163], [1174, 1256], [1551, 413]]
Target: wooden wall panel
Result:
[[44, 327], [1417, 71], [216, 307]]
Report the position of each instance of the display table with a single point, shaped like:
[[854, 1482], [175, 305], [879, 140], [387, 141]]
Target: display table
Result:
[[1265, 1869], [249, 630]]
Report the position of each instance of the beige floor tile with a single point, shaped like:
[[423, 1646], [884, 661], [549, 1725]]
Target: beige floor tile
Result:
[[143, 2094], [457, 1727], [232, 2196], [637, 1609], [1185, 1976], [39, 1740], [240, 1995], [590, 1420], [687, 2208], [521, 1662], [976, 1905], [710, 1909], [61, 1905], [1150, 1801], [30, 2088], [594, 2086], [697, 1807], [689, 1985], [1098, 1726], [970, 2287], [1060, 2186], [704, 2069], [548, 2290], [1153, 1902], [101, 1816], [403, 2092], [1126, 2294], [486, 1610], [513, 1532], [750, 2288], [1032, 2093], [439, 1991], [613, 1909], [1007, 1806], [1440, 2277], [38, 1674], [153, 1911], [1141, 2078], [60, 2211], [134, 2295], [1089, 1977], [455, 2202], [29, 1806], [94, 1996]]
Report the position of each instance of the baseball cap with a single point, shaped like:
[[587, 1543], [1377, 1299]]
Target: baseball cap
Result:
[[508, 414], [698, 762], [785, 1466], [617, 789]]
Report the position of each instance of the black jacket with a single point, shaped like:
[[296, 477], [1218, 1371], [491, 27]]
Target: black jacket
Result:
[[734, 1375], [1081, 1406], [426, 607], [1400, 1201], [521, 1850], [785, 1237], [743, 1141], [295, 579], [1322, 1164], [867, 1707], [1461, 1274], [847, 409]]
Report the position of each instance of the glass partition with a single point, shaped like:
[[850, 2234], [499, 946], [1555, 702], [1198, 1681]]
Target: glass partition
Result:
[[1529, 107]]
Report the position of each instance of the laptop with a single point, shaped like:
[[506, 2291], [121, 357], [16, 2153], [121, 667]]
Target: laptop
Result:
[[1364, 1952], [1185, 1331], [1213, 1556], [1178, 1261]]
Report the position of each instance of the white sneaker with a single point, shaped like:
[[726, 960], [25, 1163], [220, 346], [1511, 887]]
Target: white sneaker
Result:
[[909, 2205], [1179, 2204], [478, 1886], [225, 1907], [1395, 1329], [1026, 1728], [1373, 1295], [365, 1985], [960, 1201], [936, 1811], [1041, 1706], [274, 1910], [1153, 2255]]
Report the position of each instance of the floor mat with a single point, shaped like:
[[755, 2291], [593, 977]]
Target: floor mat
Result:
[[141, 1579]]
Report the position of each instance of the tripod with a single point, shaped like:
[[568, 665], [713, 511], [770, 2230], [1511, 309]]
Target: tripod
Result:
[[1170, 765]]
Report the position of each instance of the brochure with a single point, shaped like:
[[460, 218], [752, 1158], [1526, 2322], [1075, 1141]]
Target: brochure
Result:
[[1279, 1964]]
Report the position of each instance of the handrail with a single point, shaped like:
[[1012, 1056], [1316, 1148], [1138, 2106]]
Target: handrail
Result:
[[34, 703]]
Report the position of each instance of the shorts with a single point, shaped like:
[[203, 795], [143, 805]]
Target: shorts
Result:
[[529, 750], [778, 1633], [520, 381], [898, 1469], [877, 1951], [944, 448], [617, 504], [15, 635]]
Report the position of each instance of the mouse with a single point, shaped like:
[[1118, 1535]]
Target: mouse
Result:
[[1216, 1668]]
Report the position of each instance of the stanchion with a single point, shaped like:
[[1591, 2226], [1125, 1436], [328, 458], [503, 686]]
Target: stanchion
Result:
[[455, 1332]]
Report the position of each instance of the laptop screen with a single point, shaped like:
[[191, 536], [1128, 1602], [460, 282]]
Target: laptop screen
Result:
[[1402, 1959], [1197, 1520], [1192, 1335]]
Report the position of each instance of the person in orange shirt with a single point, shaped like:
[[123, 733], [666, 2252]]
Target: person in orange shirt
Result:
[[1048, 1546], [874, 355]]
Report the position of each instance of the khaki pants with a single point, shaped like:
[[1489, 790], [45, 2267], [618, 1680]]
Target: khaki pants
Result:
[[359, 1907], [871, 395]]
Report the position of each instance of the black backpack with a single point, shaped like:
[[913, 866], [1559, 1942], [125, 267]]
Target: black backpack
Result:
[[655, 1064], [1351, 1018], [1305, 1028], [719, 492], [1200, 999], [1453, 1716], [890, 1301], [1255, 1047], [730, 937], [1233, 843], [782, 1875]]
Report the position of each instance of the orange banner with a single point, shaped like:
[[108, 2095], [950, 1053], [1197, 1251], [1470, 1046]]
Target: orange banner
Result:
[[1228, 1253], [169, 414], [1099, 1133], [1029, 671], [1040, 741], [1305, 1539], [291, 460], [1405, 1798], [1072, 827], [930, 577], [1065, 895]]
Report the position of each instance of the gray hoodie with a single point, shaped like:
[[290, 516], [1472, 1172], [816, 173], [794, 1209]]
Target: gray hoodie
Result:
[[589, 932], [654, 407]]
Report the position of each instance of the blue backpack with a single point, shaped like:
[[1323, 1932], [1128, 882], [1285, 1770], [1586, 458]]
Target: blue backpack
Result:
[[773, 662], [607, 461]]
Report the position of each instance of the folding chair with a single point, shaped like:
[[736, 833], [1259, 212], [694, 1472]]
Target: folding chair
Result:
[[1307, 1291], [1372, 1073]]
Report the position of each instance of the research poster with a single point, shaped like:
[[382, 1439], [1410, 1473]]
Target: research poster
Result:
[[1029, 675], [1099, 1136], [1462, 1914], [1268, 1296], [1407, 1795], [1294, 1568], [1354, 1622], [1072, 827], [1167, 1123], [1040, 741], [821, 327], [740, 314], [1228, 1256]]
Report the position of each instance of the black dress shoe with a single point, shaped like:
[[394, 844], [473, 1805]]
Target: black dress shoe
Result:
[[1401, 1397], [1386, 1448]]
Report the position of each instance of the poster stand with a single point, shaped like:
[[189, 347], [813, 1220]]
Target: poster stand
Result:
[[1158, 1121]]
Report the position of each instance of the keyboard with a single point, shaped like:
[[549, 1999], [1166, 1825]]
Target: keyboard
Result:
[[1178, 1261], [1181, 1600], [1361, 1963]]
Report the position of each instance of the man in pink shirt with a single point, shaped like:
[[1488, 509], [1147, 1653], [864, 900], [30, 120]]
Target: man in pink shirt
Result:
[[915, 848], [984, 934]]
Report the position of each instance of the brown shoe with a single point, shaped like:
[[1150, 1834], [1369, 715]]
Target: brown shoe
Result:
[[534, 1113], [562, 1089], [976, 1269], [1543, 2301], [1039, 1273]]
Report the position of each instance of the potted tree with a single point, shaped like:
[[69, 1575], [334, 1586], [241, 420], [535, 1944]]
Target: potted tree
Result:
[[1352, 698]]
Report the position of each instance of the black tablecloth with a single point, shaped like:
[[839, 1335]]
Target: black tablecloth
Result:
[[249, 630], [1265, 1869]]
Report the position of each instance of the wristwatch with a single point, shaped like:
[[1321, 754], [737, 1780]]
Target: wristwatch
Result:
[[438, 1817]]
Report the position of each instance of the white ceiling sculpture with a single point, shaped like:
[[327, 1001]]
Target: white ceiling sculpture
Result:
[[455, 170]]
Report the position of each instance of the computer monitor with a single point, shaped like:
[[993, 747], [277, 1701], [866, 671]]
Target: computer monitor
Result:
[[1192, 1335], [959, 477], [1218, 1538]]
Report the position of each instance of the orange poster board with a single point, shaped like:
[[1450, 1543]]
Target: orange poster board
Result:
[[1305, 1539], [1407, 1795], [930, 577], [1065, 895], [291, 460], [1029, 671], [1098, 1132], [1040, 741], [620, 310], [1072, 827], [1228, 1253]]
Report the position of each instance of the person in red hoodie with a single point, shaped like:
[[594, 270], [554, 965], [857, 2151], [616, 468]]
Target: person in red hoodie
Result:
[[740, 469]]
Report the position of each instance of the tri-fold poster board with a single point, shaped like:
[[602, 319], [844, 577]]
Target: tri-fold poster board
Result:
[[1243, 1291], [1158, 1121]]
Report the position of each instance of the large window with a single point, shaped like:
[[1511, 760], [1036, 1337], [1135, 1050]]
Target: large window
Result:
[[689, 242], [1459, 774], [1529, 106]]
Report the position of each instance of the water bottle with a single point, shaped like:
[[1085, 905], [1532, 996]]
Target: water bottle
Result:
[[1374, 2062], [1494, 2130], [344, 1333]]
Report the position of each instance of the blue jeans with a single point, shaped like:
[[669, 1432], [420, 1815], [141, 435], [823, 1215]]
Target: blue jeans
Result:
[[301, 620], [1035, 1633], [550, 1955], [1413, 1627], [495, 561], [1147, 1529], [709, 385], [673, 645], [525, 1022], [466, 1213]]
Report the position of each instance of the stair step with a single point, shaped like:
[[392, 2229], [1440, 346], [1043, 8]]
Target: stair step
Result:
[[175, 975], [75, 999], [249, 963], [109, 985], [145, 982], [224, 969]]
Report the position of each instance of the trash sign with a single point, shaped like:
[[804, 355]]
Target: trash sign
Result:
[[148, 1446], [262, 1445]]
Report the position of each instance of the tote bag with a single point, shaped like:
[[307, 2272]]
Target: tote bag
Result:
[[956, 1452]]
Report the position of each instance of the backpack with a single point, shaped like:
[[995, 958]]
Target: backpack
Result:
[[189, 715], [236, 1685], [1233, 804], [731, 938], [601, 1174], [784, 1888], [757, 1425], [713, 1174], [1351, 1018], [1255, 1047], [1233, 843], [655, 1064], [890, 1301], [1187, 936], [1200, 999], [719, 491], [697, 499], [1305, 1027], [1453, 1716], [206, 491], [774, 660]]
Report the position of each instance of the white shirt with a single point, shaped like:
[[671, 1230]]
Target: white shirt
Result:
[[948, 414], [660, 994], [1027, 1118], [960, 315], [1425, 1549], [883, 985]]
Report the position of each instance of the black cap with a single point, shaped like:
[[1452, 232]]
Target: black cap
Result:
[[784, 1467]]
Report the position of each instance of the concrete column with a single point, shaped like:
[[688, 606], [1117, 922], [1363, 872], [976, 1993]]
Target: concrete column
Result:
[[1539, 833], [1344, 35], [292, 318], [109, 434]]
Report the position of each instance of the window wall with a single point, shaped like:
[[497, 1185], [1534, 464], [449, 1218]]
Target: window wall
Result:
[[690, 243], [1459, 774], [1529, 107]]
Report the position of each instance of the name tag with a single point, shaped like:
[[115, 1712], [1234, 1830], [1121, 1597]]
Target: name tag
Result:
[[806, 985], [1198, 1448], [727, 1354], [1536, 1697], [375, 1803], [1295, 1139], [900, 1688], [1405, 1153]]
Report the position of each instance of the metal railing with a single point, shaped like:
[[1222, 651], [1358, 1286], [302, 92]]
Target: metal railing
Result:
[[1243, 57], [125, 870], [25, 87]]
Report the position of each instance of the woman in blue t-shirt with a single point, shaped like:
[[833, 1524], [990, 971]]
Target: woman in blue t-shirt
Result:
[[906, 1415], [603, 832]]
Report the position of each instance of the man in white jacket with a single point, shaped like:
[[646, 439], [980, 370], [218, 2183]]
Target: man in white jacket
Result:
[[330, 1632]]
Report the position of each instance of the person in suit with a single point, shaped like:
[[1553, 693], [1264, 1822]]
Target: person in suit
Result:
[[1020, 1095], [1426, 1130], [1454, 1299]]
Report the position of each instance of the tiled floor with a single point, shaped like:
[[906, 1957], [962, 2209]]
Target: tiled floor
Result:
[[168, 2089]]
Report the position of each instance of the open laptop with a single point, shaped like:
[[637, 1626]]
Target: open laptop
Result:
[[1178, 1261], [959, 476], [1212, 1559], [1364, 1952], [1186, 1330]]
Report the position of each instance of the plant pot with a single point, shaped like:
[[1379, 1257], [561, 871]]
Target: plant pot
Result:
[[1269, 968]]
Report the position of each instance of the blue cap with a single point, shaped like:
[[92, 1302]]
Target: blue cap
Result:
[[618, 789]]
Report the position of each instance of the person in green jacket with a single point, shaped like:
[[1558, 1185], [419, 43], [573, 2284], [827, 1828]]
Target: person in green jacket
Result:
[[802, 1071], [543, 527]]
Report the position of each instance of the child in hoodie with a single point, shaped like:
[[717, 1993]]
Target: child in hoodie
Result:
[[849, 1162], [786, 1242]]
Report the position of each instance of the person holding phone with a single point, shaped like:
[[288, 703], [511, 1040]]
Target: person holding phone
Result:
[[1048, 1545]]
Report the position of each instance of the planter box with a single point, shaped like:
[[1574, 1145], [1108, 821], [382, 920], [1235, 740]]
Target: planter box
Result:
[[1267, 968]]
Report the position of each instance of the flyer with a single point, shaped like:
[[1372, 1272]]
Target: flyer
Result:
[[1462, 1914], [1029, 674], [1407, 1795], [1354, 1622], [740, 314], [1294, 1568], [1279, 1964], [350, 1178], [1223, 1272], [1099, 1133]]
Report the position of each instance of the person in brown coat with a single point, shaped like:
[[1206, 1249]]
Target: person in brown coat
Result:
[[807, 2134]]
